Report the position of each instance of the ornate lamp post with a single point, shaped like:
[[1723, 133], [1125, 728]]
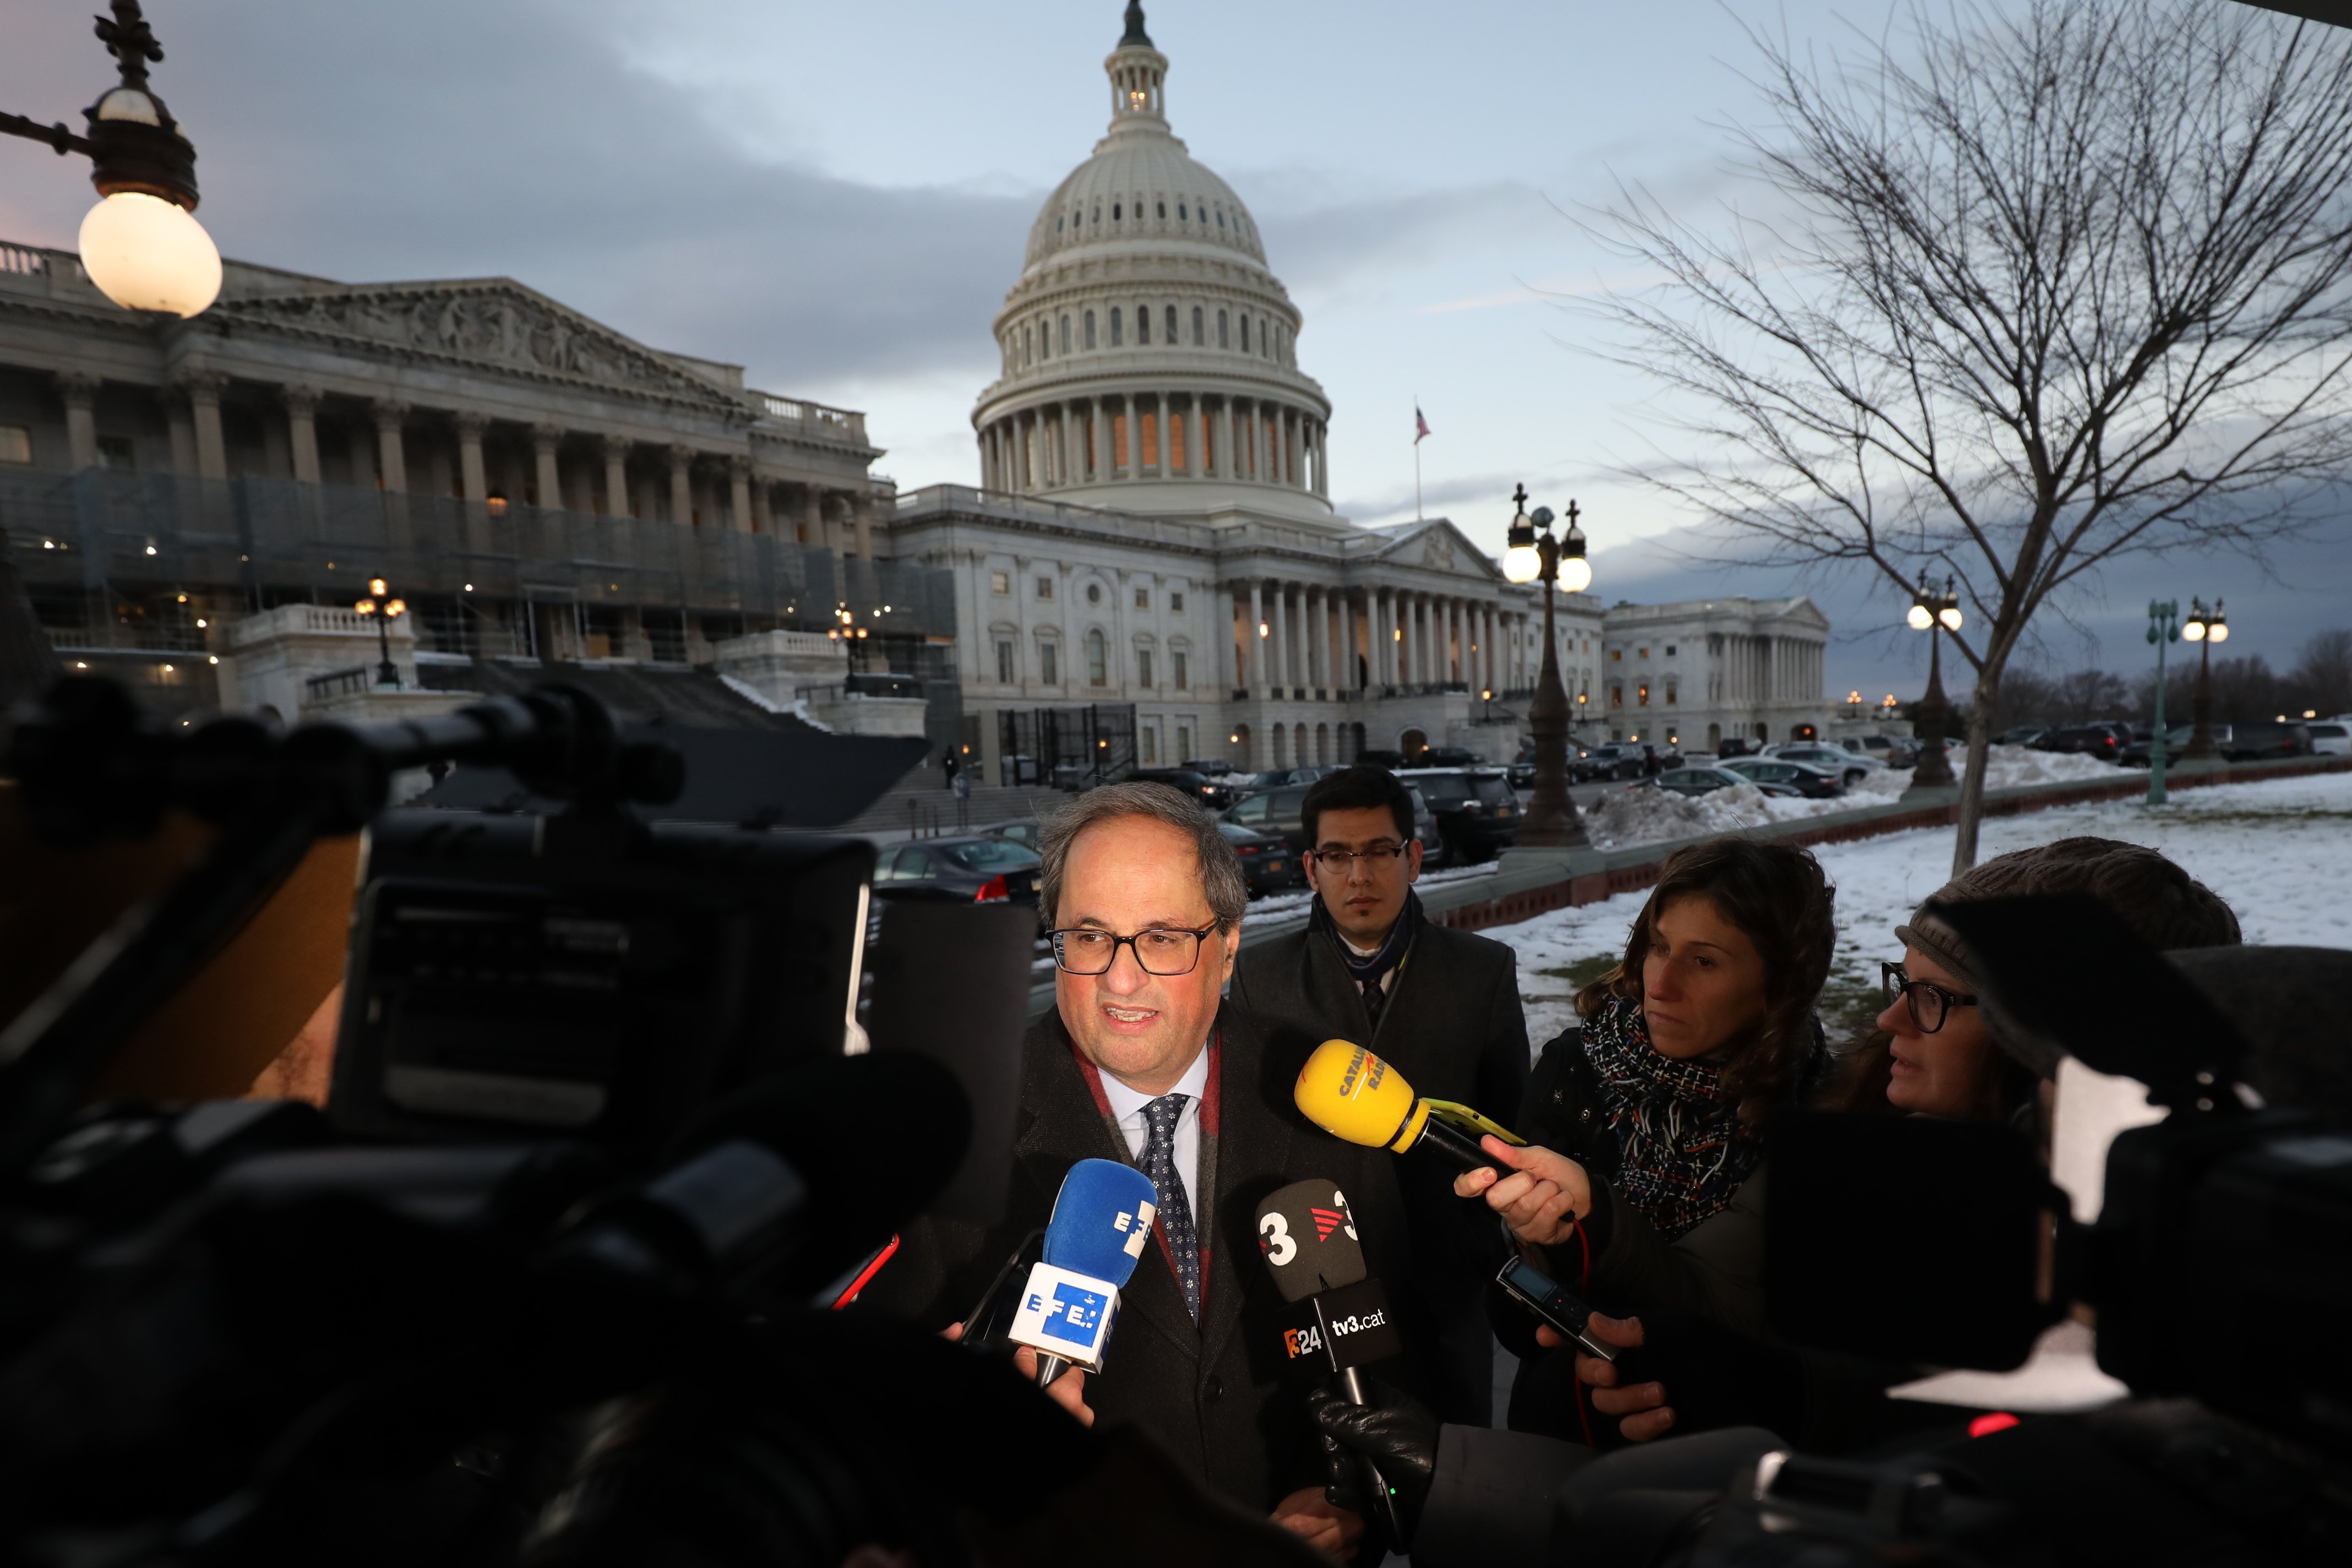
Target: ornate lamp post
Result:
[[1551, 821], [2204, 628], [385, 612], [2163, 626], [139, 243], [1934, 613]]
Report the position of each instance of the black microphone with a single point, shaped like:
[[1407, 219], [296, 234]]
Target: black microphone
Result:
[[1307, 1236]]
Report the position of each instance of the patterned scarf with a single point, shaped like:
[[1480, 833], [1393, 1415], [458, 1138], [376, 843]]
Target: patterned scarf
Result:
[[1368, 970], [1683, 1148]]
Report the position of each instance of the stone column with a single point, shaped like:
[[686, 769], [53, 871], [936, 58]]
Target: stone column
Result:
[[862, 513], [1293, 444], [392, 460], [1226, 466], [78, 390], [681, 484], [473, 480], [812, 516], [616, 476], [545, 440], [1097, 440], [1252, 642], [1317, 636], [1286, 666], [204, 389], [739, 491], [301, 403]]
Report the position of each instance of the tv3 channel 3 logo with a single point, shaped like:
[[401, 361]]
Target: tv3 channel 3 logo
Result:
[[1309, 1340], [1075, 1314]]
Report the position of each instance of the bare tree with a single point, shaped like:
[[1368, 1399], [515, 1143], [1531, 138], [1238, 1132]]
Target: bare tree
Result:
[[2055, 286], [2322, 680]]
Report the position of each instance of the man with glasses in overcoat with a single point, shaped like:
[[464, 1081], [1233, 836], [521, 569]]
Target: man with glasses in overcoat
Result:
[[1441, 1005], [1142, 1060]]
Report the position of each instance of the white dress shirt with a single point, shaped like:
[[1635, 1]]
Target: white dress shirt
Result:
[[1127, 1108], [1388, 981]]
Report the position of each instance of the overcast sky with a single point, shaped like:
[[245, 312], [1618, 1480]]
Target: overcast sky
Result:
[[836, 197]]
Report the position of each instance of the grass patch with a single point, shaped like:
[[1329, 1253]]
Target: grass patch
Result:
[[1849, 1001], [1584, 971]]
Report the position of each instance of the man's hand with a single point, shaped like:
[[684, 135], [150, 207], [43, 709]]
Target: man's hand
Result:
[[1541, 1198], [1326, 1526], [1068, 1391], [1642, 1406]]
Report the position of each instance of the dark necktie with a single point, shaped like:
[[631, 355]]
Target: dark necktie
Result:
[[1175, 1207]]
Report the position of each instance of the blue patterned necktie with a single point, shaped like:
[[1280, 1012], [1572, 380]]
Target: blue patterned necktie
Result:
[[1175, 1208]]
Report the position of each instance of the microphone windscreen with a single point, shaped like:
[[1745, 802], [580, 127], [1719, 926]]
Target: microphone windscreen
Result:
[[1102, 1220], [1353, 1095], [827, 1118], [1307, 1234]]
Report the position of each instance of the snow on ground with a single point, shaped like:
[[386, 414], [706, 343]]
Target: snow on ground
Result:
[[2279, 851], [1641, 815]]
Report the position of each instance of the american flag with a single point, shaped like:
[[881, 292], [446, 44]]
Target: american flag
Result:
[[1419, 424]]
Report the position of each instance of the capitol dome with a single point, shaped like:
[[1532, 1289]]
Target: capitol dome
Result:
[[1149, 354]]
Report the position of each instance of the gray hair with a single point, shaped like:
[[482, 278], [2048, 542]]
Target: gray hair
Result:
[[1220, 868]]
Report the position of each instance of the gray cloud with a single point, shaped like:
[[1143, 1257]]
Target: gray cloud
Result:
[[454, 137]]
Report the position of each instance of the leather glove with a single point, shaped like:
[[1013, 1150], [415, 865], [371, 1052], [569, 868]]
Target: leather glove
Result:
[[1398, 1435]]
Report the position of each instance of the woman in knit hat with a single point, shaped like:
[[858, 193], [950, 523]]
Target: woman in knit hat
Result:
[[1931, 1052]]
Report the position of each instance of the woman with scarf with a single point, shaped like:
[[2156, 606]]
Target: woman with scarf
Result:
[[1643, 1188]]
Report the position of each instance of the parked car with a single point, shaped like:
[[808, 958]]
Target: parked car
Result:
[[1628, 759], [1215, 767], [1450, 757], [1274, 812], [2175, 744], [2267, 740], [1853, 769], [2330, 738], [1880, 747], [1380, 758], [1522, 769], [984, 869], [1812, 782], [2022, 735], [1025, 831], [1736, 746], [1212, 793], [1268, 865], [1424, 825], [1706, 781], [1477, 814], [1274, 778], [2106, 742]]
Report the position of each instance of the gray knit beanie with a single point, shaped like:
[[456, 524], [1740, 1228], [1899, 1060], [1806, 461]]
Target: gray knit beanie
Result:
[[2162, 904]]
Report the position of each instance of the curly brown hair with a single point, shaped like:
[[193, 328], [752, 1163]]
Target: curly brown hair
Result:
[[1777, 896]]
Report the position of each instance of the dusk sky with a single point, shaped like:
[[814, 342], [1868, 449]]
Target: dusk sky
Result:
[[836, 197]]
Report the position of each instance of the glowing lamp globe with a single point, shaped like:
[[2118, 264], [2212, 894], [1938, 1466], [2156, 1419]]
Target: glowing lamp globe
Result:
[[1575, 575], [147, 254], [1950, 616], [1920, 619], [2219, 632], [1521, 563], [2192, 631]]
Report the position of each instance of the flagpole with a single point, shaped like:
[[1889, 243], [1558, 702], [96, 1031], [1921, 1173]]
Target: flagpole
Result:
[[1416, 458]]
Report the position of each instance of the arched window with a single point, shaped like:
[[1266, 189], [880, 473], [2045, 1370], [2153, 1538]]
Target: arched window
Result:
[[1028, 345], [1098, 215], [1244, 334], [1114, 212], [1200, 333], [1172, 326], [1044, 339], [1058, 223], [1180, 215], [1224, 339], [1090, 329], [1163, 213], [1116, 336], [1143, 324], [1221, 219], [1065, 334], [1097, 661]]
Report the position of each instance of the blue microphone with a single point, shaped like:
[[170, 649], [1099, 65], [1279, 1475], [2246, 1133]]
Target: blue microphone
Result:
[[1101, 1223]]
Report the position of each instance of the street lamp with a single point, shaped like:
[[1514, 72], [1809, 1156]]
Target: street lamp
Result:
[[140, 245], [2204, 628], [2163, 626], [1551, 821], [385, 612], [1935, 613]]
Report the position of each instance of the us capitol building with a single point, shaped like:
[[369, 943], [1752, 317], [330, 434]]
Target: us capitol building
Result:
[[1149, 572]]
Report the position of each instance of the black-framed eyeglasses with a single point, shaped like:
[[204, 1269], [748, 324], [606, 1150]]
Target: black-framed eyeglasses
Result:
[[1162, 951], [1375, 856], [1930, 1004]]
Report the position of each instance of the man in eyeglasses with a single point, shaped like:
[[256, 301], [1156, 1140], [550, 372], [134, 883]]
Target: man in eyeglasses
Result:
[[1442, 1005], [1142, 1061]]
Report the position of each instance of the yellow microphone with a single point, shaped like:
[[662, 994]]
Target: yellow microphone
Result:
[[1357, 1098]]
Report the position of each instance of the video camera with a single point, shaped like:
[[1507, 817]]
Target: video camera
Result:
[[2218, 1272], [545, 1281]]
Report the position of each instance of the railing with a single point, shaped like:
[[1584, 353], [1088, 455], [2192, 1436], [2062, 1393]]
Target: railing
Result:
[[339, 683], [1034, 509], [841, 421], [22, 259], [144, 537]]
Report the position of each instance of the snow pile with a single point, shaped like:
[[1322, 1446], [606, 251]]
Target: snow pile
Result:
[[2007, 765], [1644, 815]]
